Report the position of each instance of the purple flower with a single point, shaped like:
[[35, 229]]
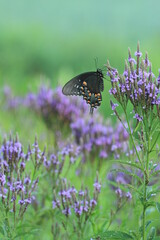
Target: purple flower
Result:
[[27, 181], [113, 105], [138, 117], [113, 147], [22, 165], [131, 60], [28, 200], [93, 202], [2, 179], [137, 53], [66, 211], [73, 190], [21, 202], [78, 209], [113, 91], [119, 192], [136, 85], [97, 186], [77, 200], [13, 199], [129, 195], [86, 207], [55, 204], [81, 193], [103, 154]]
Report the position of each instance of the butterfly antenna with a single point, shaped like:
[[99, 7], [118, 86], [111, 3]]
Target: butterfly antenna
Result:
[[96, 62]]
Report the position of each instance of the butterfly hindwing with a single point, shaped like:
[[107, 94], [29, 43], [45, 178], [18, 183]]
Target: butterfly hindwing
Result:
[[72, 87]]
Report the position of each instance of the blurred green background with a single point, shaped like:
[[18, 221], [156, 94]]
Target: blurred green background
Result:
[[55, 40], [52, 41]]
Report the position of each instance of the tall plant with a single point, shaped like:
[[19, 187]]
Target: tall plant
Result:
[[137, 88]]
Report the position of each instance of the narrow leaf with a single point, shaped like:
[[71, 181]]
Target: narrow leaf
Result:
[[151, 234], [127, 163], [158, 206], [109, 235], [148, 223]]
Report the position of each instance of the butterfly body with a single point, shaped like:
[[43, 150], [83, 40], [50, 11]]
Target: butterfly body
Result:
[[89, 85]]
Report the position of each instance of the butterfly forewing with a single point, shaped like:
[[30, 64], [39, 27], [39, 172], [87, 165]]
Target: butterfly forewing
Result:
[[73, 86]]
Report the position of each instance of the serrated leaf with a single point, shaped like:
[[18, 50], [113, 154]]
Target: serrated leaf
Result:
[[151, 234], [109, 235], [134, 189], [128, 173], [158, 206], [127, 163], [154, 172]]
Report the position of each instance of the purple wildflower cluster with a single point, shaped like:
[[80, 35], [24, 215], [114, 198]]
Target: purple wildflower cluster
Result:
[[137, 85], [54, 165], [52, 104], [121, 179], [80, 203], [98, 138], [91, 134], [16, 184], [11, 102]]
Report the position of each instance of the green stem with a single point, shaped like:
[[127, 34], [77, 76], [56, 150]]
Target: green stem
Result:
[[7, 227], [146, 181], [144, 210], [145, 171], [131, 136], [113, 215]]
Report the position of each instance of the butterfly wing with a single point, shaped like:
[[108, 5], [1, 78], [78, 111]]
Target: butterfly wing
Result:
[[89, 85], [72, 87], [94, 83]]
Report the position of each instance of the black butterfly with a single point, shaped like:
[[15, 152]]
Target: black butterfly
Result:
[[89, 85]]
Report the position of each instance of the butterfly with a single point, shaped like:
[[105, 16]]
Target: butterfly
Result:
[[89, 85]]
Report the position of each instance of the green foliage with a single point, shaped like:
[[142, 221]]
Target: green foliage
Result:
[[59, 46], [158, 206], [151, 234], [112, 235]]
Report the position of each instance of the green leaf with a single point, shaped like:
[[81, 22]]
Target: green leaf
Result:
[[127, 163], [104, 225], [137, 127], [108, 235], [148, 223], [134, 189], [151, 234], [152, 192], [141, 228], [158, 206]]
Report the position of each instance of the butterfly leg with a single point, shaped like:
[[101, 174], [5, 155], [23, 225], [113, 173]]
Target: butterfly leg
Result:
[[91, 110]]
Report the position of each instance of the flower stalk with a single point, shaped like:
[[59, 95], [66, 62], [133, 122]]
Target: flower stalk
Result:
[[137, 86]]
